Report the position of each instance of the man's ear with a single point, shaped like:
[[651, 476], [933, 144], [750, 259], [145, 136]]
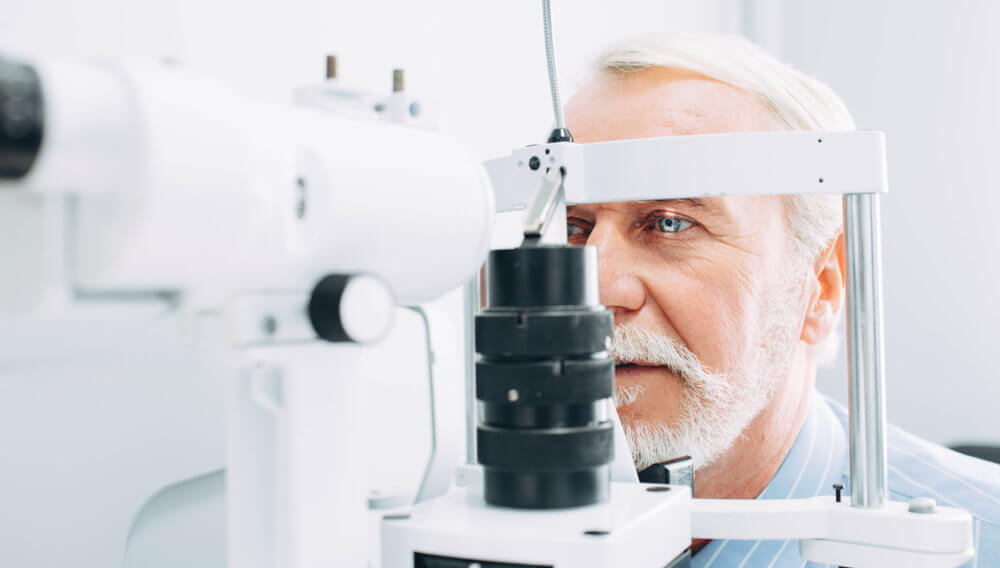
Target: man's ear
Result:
[[828, 297]]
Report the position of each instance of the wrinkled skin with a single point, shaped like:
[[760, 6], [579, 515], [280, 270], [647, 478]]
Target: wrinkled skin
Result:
[[697, 270]]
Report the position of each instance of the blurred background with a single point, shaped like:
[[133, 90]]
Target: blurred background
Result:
[[927, 73]]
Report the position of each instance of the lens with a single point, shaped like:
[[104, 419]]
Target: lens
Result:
[[543, 378]]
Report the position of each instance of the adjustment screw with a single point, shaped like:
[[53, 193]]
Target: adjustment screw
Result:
[[838, 487], [534, 163], [331, 66]]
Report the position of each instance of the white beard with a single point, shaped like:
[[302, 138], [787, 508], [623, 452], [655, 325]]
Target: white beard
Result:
[[715, 407]]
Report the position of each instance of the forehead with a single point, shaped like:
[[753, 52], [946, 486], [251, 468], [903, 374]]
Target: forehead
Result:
[[661, 102]]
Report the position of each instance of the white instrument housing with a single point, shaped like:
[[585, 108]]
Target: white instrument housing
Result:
[[184, 186]]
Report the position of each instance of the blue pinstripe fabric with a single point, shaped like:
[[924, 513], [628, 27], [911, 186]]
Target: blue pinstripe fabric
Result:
[[917, 468]]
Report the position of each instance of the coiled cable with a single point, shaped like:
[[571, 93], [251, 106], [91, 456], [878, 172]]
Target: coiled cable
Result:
[[550, 59]]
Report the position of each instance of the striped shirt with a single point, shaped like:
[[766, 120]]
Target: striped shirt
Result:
[[917, 468]]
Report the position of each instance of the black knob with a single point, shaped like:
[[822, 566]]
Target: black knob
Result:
[[354, 308], [21, 118]]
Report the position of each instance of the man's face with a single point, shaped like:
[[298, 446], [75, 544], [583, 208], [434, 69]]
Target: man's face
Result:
[[704, 304]]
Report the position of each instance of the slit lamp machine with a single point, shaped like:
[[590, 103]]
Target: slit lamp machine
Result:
[[159, 183]]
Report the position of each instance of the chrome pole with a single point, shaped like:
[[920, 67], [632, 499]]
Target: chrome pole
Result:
[[866, 352], [469, 316]]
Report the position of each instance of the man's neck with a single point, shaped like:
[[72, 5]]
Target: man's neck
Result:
[[743, 471]]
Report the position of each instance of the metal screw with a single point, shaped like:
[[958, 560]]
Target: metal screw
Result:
[[269, 324], [821, 180], [838, 487], [300, 206], [513, 395], [331, 66], [414, 109], [534, 163], [379, 107]]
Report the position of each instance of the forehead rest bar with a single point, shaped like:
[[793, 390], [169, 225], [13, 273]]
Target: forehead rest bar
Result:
[[703, 165]]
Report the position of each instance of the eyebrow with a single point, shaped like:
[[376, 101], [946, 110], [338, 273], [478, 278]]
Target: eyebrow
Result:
[[711, 207], [689, 200]]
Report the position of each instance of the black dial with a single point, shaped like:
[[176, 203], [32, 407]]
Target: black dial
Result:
[[21, 118]]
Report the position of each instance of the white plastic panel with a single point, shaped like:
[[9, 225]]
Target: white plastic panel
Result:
[[946, 530], [646, 529]]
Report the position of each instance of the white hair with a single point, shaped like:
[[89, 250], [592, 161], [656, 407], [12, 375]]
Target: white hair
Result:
[[795, 101]]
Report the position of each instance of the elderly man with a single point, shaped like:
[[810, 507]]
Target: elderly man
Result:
[[724, 307]]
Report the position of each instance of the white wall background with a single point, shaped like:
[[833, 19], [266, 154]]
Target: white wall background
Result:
[[483, 63], [928, 74]]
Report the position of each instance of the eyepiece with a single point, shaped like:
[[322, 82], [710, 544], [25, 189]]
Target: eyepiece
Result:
[[21, 118]]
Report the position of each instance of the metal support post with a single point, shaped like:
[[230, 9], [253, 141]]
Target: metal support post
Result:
[[866, 378], [470, 311]]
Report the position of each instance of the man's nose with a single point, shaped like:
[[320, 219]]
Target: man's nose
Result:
[[621, 290]]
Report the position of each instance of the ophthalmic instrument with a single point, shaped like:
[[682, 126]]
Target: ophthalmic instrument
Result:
[[160, 184]]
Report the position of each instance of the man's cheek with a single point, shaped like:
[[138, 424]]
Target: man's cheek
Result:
[[719, 328], [711, 328]]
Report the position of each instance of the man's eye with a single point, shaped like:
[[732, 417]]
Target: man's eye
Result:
[[672, 224], [574, 230]]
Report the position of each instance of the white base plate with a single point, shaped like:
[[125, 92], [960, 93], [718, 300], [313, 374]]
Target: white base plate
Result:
[[638, 528]]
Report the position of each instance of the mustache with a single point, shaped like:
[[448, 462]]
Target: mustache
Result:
[[631, 344]]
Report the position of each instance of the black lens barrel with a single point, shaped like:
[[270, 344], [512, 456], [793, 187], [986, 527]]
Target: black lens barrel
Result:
[[542, 377]]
